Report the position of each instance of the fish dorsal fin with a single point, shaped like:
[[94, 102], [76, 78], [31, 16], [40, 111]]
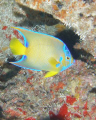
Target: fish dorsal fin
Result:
[[28, 35], [53, 61], [50, 74]]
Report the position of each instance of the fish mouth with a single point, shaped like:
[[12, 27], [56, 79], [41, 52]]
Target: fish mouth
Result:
[[74, 61]]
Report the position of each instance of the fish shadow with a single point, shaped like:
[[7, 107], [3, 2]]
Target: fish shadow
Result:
[[12, 71], [93, 90], [33, 17]]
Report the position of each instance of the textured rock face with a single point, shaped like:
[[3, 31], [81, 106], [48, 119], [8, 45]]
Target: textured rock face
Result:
[[24, 94], [78, 14]]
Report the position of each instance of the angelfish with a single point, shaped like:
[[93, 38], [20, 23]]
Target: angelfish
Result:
[[41, 52]]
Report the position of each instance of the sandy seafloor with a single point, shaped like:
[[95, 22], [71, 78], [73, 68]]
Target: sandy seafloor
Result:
[[25, 94]]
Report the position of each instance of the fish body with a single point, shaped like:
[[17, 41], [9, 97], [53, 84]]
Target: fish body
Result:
[[41, 52]]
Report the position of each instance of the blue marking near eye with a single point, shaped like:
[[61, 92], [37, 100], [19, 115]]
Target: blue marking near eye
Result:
[[63, 68], [57, 65], [66, 67], [67, 53], [61, 58], [66, 47]]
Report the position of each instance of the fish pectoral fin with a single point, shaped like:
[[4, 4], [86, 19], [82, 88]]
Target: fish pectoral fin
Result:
[[17, 47], [50, 74], [53, 61]]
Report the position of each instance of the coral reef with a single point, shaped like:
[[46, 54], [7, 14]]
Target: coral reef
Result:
[[25, 94]]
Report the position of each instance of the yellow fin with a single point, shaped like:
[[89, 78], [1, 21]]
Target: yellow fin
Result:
[[53, 61], [16, 28], [17, 47], [50, 74]]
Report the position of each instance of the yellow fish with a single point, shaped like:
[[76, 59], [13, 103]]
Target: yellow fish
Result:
[[41, 52]]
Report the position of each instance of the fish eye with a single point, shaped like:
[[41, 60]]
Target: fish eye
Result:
[[67, 58]]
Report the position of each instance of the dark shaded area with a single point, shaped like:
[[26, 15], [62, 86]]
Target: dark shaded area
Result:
[[93, 90], [2, 87], [13, 70], [34, 17], [88, 1], [1, 113]]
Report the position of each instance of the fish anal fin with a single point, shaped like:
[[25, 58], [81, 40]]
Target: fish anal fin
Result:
[[50, 74]]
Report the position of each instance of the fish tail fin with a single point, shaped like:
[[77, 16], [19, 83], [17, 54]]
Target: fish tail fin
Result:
[[50, 74], [17, 47]]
